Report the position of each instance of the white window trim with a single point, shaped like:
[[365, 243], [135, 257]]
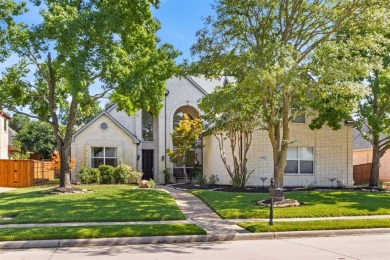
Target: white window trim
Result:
[[299, 165], [104, 154]]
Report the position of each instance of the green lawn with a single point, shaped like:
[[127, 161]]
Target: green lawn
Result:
[[232, 205], [257, 227], [43, 233], [106, 203]]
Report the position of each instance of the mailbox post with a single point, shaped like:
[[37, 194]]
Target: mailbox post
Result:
[[275, 194]]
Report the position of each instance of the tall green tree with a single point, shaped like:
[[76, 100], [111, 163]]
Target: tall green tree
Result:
[[269, 45], [37, 137], [232, 124], [185, 141], [373, 113], [18, 122], [78, 44]]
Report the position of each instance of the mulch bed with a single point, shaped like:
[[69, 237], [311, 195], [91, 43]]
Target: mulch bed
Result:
[[260, 189]]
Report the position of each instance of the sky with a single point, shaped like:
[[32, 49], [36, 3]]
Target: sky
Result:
[[180, 19]]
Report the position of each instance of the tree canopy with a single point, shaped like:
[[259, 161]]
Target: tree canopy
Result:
[[109, 45], [280, 49]]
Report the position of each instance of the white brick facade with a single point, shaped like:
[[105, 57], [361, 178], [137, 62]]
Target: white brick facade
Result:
[[332, 149], [4, 120]]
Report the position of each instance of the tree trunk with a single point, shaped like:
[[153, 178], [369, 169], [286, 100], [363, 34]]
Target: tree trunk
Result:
[[280, 143], [374, 177], [64, 167]]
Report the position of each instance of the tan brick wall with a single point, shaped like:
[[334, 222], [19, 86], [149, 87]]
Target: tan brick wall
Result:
[[332, 157], [93, 136]]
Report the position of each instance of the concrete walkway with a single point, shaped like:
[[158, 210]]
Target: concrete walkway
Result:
[[197, 212]]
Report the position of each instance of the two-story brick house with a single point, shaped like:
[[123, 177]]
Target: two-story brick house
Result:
[[141, 141]]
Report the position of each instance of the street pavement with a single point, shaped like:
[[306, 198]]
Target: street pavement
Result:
[[364, 247]]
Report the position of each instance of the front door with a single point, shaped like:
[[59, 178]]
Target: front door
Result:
[[147, 164]]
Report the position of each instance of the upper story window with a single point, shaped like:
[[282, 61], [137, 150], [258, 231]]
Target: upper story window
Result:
[[300, 160], [300, 118], [147, 126], [5, 125]]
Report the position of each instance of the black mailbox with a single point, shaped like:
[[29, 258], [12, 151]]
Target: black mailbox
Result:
[[277, 194]]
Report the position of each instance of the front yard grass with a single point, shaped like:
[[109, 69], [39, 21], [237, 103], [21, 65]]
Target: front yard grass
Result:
[[232, 205], [43, 233], [258, 227], [105, 204]]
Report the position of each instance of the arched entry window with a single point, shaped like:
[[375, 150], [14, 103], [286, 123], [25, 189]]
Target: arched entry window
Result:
[[178, 117], [192, 157]]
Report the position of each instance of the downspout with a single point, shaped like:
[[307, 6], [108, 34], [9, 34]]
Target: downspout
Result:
[[165, 127]]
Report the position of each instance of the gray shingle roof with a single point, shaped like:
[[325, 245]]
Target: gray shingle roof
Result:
[[359, 142]]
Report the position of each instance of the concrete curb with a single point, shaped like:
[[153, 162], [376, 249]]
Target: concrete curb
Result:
[[185, 239]]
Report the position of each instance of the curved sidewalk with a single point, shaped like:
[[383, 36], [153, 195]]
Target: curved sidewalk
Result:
[[197, 212]]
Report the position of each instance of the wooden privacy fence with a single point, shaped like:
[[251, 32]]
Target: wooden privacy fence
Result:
[[361, 173], [25, 173]]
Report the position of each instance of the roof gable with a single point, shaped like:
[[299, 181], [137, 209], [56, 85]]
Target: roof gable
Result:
[[105, 113]]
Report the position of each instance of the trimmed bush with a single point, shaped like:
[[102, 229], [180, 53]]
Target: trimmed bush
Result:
[[95, 175], [121, 173], [89, 175], [106, 174], [84, 175]]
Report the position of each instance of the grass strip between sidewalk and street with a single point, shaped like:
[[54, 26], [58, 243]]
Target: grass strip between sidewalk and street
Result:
[[47, 233], [258, 227], [236, 205]]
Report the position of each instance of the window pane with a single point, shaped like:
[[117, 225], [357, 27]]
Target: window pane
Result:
[[299, 119], [97, 152], [110, 152], [292, 153], [306, 153], [291, 167], [95, 162], [111, 161], [191, 156], [306, 166], [147, 126]]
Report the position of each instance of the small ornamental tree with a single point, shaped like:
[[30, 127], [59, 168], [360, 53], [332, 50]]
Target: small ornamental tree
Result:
[[184, 140], [232, 123]]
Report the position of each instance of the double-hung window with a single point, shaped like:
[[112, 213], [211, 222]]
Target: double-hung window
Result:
[[103, 155], [300, 160]]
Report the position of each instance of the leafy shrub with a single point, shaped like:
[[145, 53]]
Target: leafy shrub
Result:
[[135, 176], [89, 175], [84, 175], [213, 179], [106, 174], [200, 179], [121, 173], [152, 183], [167, 175], [94, 175]]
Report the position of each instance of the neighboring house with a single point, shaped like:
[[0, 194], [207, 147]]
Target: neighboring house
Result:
[[4, 135], [362, 154], [11, 148], [141, 141]]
